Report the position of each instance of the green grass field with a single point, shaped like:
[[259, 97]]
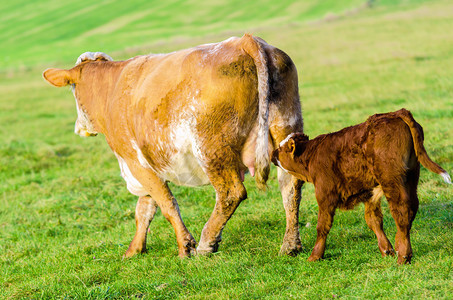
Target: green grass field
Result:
[[66, 217]]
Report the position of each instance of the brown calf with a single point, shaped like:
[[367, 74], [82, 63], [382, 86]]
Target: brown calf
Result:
[[360, 164]]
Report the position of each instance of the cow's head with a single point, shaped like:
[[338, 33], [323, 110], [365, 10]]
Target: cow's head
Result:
[[60, 77], [285, 156]]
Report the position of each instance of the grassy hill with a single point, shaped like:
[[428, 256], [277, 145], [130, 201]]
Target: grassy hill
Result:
[[66, 217], [39, 32], [48, 31]]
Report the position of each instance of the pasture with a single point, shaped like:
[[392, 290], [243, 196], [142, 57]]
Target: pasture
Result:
[[66, 217]]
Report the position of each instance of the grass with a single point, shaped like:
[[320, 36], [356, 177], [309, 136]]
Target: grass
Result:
[[66, 217]]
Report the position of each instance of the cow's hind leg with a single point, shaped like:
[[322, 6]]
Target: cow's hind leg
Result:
[[144, 213], [229, 193], [373, 218], [290, 188]]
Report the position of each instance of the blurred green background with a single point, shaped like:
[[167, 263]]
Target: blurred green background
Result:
[[66, 217]]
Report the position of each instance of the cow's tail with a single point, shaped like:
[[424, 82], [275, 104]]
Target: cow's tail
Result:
[[262, 159], [417, 136]]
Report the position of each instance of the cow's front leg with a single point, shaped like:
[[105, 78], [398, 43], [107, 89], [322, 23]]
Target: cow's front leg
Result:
[[158, 190], [290, 188], [170, 210], [144, 213], [229, 193]]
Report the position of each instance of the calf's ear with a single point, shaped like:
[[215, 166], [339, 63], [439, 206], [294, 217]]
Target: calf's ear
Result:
[[291, 146], [58, 77]]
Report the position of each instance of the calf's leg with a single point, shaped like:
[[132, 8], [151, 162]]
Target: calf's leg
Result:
[[403, 207], [144, 213], [326, 206], [373, 218], [290, 188]]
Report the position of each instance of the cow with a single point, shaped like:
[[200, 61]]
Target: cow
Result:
[[362, 163], [204, 115]]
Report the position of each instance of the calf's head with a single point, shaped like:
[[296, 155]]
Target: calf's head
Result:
[[285, 156]]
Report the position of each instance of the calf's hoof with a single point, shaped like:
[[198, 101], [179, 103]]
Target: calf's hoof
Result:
[[389, 252], [314, 258], [404, 260]]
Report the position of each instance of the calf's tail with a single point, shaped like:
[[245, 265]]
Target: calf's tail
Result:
[[262, 159], [417, 136]]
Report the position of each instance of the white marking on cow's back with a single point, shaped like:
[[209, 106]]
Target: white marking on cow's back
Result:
[[141, 158], [92, 56], [133, 185], [446, 177], [214, 45], [286, 139]]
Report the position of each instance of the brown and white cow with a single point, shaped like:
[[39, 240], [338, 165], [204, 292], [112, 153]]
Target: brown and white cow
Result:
[[361, 163], [198, 116]]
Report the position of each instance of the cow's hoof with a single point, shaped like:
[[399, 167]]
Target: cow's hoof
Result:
[[132, 252], [389, 252], [188, 249], [135, 247], [204, 252], [193, 251], [207, 249], [291, 249]]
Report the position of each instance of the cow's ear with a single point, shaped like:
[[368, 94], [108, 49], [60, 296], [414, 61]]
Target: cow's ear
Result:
[[291, 146], [58, 77]]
